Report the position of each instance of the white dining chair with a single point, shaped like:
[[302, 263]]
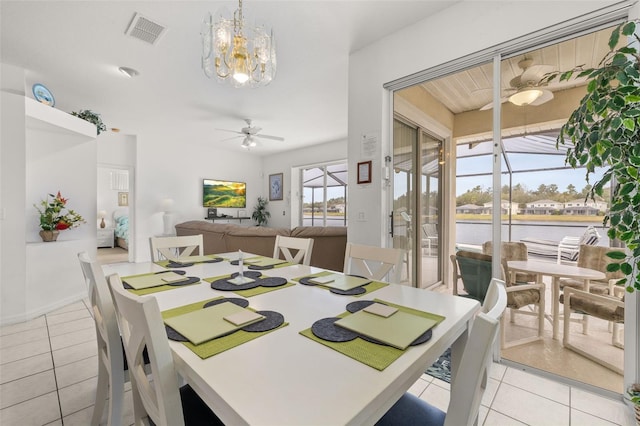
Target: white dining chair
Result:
[[376, 263], [301, 246], [470, 380], [156, 396], [163, 248], [111, 373]]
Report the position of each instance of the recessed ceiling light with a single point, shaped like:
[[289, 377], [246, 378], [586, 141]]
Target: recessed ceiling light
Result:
[[129, 72]]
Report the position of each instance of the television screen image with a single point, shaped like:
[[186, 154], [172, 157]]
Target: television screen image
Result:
[[222, 193]]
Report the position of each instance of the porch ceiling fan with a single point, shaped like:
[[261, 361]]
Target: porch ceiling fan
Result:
[[250, 134], [526, 89]]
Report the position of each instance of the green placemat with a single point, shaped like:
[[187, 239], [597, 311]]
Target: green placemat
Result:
[[252, 291], [371, 354], [221, 344], [248, 261], [369, 288], [164, 263], [151, 290]]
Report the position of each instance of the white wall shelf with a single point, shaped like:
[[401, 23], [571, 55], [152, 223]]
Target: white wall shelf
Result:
[[54, 151], [42, 117]]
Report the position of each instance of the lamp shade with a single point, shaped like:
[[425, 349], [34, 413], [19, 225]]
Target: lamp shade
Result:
[[166, 204], [525, 97]]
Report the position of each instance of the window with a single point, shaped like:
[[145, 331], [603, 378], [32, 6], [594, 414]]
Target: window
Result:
[[324, 195]]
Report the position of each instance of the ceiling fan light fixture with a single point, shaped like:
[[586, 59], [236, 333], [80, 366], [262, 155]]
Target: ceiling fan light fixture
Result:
[[129, 72], [236, 52], [525, 96]]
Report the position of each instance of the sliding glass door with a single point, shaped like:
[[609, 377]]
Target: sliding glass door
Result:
[[417, 163]]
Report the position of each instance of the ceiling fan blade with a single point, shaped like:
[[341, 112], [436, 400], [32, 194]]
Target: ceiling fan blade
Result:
[[546, 96], [228, 139], [535, 73], [251, 130], [232, 131], [275, 138], [490, 104]]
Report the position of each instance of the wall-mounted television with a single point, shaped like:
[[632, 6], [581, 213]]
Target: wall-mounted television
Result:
[[224, 193]]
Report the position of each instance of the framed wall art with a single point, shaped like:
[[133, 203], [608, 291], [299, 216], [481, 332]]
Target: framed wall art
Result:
[[275, 187], [364, 172], [123, 198]]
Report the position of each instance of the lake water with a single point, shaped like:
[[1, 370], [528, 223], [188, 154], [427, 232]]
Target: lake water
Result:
[[477, 232]]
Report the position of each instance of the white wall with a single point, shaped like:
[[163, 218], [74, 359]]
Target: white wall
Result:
[[282, 163], [165, 169], [429, 43]]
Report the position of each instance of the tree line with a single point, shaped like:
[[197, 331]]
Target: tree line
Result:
[[522, 195]]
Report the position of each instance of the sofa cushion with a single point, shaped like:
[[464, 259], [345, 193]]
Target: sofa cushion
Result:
[[254, 239], [213, 234], [329, 244]]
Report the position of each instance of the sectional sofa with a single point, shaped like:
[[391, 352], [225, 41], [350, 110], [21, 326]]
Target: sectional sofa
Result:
[[328, 245]]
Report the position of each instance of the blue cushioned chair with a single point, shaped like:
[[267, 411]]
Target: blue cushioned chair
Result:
[[470, 380]]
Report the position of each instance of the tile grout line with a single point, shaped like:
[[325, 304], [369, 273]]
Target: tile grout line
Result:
[[55, 375]]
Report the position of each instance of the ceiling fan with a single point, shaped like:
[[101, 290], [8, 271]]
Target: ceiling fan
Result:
[[526, 89], [250, 133]]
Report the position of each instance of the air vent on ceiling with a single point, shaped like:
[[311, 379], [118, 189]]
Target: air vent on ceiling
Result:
[[145, 29]]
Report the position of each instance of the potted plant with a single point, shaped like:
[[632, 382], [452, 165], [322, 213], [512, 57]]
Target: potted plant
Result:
[[604, 132], [56, 217], [91, 117], [260, 213]]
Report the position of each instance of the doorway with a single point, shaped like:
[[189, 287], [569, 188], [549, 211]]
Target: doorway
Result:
[[462, 100], [113, 206], [417, 202]]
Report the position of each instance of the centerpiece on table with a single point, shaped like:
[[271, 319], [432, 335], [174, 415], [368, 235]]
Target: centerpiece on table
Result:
[[56, 217]]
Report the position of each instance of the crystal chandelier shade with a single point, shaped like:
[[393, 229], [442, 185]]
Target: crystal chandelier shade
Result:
[[235, 52]]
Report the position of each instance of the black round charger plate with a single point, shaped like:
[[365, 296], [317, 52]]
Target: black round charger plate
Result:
[[325, 329], [243, 303], [273, 320], [248, 274], [359, 304], [173, 264], [305, 281], [352, 292], [214, 260], [224, 285], [174, 335], [271, 281], [424, 337], [189, 280], [254, 267], [175, 272]]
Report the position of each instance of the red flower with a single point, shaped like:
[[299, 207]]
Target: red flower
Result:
[[62, 200], [61, 226]]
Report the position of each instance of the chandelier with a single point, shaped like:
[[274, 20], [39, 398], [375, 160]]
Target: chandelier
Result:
[[238, 53]]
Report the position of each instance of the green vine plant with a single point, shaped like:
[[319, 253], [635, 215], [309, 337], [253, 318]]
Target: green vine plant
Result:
[[91, 117], [605, 132]]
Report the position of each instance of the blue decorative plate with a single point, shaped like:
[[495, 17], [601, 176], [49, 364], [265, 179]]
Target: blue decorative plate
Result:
[[42, 94]]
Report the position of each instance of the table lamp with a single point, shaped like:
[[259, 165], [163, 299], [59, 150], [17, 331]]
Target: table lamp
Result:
[[102, 214], [167, 217]]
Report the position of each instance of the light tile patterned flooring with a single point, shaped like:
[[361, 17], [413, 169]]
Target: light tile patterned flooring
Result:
[[48, 375]]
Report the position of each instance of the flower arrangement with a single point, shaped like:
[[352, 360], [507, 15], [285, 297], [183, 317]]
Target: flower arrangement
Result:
[[53, 217]]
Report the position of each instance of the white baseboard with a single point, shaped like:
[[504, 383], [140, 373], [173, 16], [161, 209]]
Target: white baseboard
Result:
[[29, 315]]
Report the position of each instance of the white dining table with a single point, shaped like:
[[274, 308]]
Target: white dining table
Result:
[[555, 271], [285, 378]]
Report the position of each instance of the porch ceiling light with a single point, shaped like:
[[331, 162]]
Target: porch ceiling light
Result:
[[525, 96]]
